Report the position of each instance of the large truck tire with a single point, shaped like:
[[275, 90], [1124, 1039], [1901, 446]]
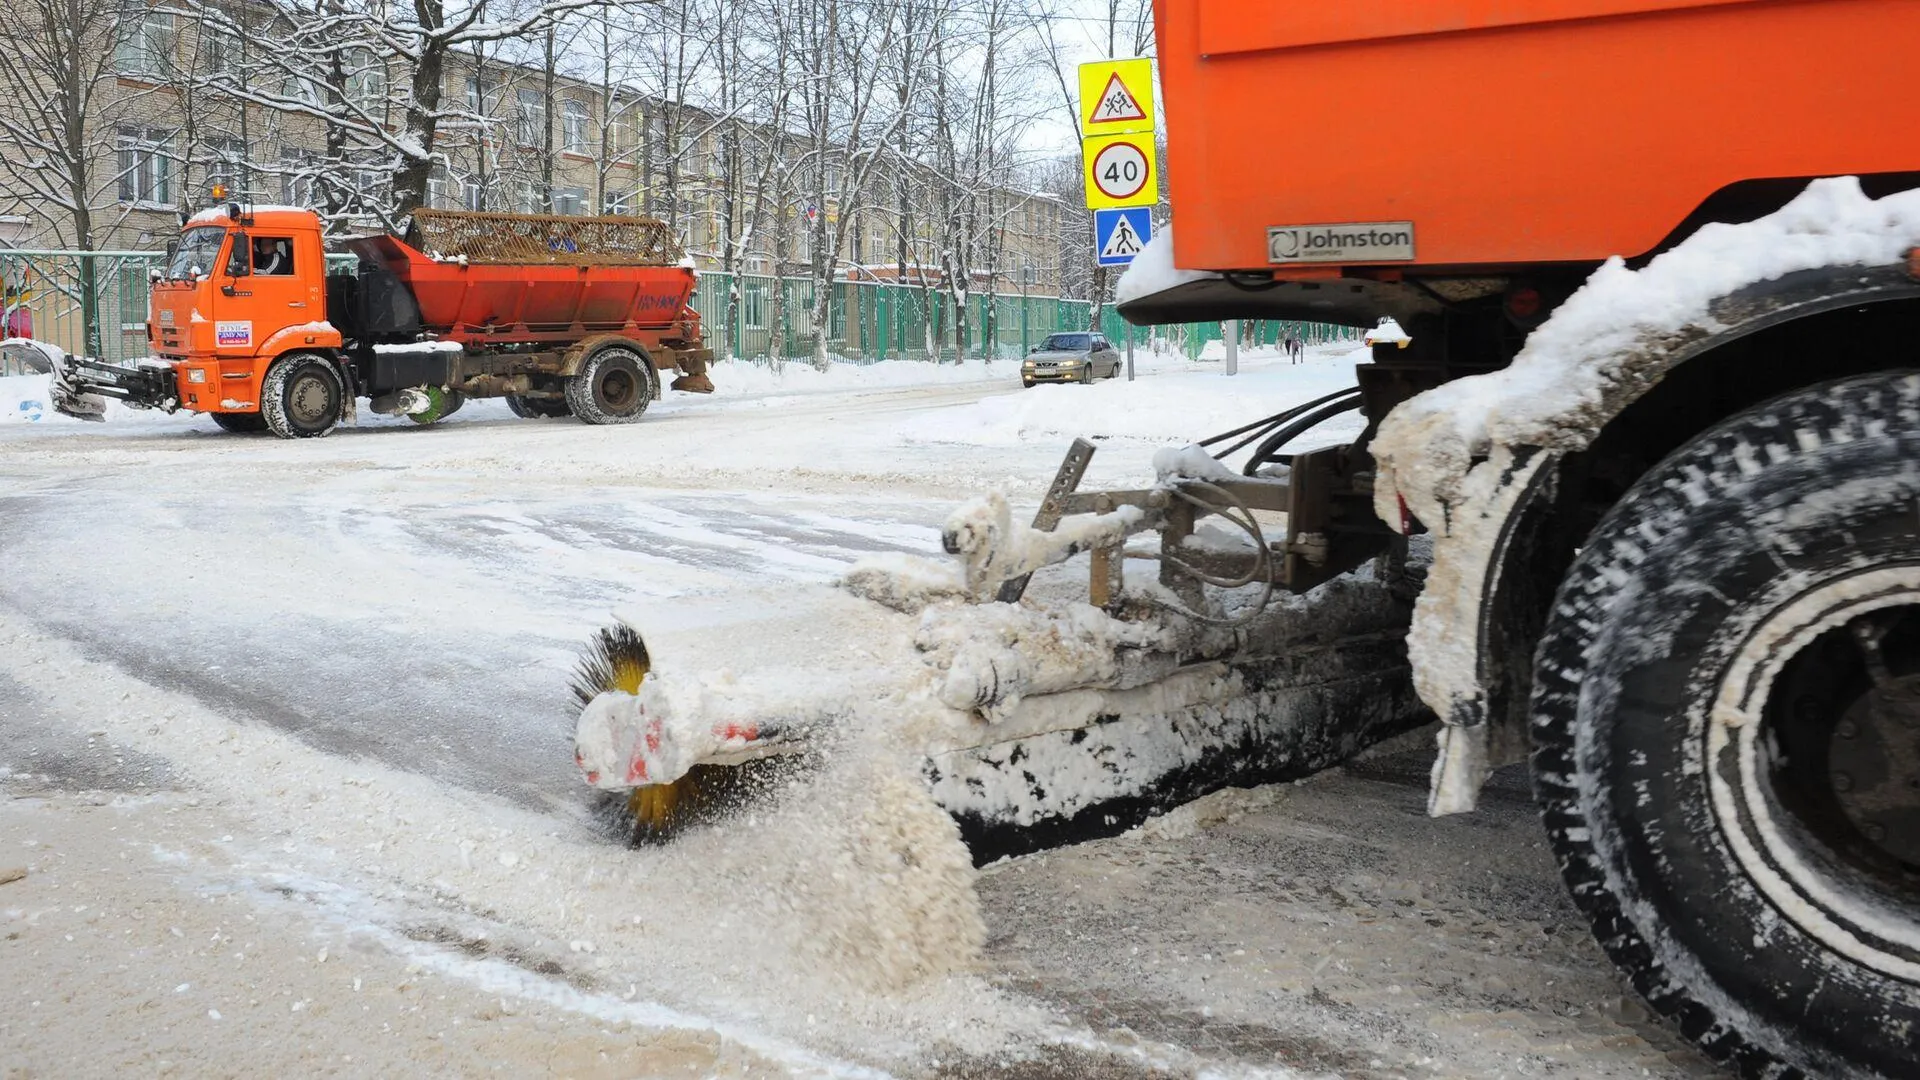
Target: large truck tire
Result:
[[613, 386], [240, 423], [1726, 724], [302, 396]]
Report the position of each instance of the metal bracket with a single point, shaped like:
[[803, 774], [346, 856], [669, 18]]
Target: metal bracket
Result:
[[1052, 508]]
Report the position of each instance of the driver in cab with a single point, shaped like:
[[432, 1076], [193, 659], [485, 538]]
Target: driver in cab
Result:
[[272, 255]]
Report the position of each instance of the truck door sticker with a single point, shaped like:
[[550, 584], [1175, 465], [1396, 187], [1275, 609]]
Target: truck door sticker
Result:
[[233, 333]]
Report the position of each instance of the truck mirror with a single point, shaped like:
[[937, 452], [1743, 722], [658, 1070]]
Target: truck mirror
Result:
[[239, 263]]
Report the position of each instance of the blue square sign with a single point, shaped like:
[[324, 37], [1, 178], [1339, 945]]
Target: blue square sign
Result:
[[1118, 235]]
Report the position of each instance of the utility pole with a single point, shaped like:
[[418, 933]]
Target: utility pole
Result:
[[1026, 278], [1233, 346]]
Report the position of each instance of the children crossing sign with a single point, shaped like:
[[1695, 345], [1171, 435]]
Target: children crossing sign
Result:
[[1119, 234], [1116, 96]]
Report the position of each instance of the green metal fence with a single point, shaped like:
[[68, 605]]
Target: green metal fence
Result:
[[95, 303], [869, 322]]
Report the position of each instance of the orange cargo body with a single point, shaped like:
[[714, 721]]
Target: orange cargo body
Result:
[[495, 303], [1515, 132]]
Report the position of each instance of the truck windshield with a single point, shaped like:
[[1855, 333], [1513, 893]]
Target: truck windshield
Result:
[[1066, 343], [196, 252]]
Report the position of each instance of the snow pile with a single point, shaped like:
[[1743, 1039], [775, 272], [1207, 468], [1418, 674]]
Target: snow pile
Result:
[[1153, 271], [1601, 349], [735, 378], [905, 583], [1181, 403], [27, 399], [24, 399], [407, 348], [866, 874], [1189, 462], [991, 656], [1216, 351], [1387, 333]]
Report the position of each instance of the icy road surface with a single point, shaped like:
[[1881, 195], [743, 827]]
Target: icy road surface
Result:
[[285, 732]]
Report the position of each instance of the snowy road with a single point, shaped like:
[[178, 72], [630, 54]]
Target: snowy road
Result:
[[270, 657]]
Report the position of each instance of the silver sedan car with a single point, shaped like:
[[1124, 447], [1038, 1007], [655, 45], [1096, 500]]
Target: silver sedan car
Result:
[[1076, 357]]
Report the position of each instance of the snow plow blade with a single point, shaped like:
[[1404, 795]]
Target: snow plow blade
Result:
[[81, 386], [1035, 720]]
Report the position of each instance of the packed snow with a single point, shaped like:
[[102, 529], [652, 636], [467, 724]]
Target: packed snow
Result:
[[339, 706]]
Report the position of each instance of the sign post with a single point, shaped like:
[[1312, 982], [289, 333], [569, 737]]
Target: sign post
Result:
[[1118, 161]]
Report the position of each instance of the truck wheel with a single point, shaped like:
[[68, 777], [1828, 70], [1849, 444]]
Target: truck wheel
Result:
[[302, 397], [240, 423], [1726, 724], [612, 387], [531, 408]]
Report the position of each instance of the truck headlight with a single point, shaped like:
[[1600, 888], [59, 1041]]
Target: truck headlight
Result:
[[197, 375]]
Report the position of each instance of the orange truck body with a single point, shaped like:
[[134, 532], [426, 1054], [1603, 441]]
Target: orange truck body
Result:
[[221, 332], [1513, 132]]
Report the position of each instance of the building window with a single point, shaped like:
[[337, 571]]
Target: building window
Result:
[[570, 200], [300, 88], [366, 81], [146, 173], [144, 45], [625, 133], [620, 201], [220, 50], [573, 126], [473, 195], [482, 95], [530, 117]]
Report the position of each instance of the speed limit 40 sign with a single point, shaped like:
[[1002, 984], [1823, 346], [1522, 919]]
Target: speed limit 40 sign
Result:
[[1120, 171]]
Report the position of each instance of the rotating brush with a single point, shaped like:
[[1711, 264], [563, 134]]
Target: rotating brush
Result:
[[616, 660]]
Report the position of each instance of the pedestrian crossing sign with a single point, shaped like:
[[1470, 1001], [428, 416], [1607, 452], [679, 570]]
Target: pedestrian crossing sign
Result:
[[1119, 235]]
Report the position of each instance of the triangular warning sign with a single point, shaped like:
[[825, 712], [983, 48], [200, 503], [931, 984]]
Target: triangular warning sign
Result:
[[1116, 103], [1122, 242]]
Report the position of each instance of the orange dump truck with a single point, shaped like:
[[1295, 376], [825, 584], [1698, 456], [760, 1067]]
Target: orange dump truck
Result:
[[1673, 497], [559, 315]]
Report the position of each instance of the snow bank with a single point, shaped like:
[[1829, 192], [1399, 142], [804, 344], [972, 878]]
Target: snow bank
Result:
[[25, 399], [1180, 402], [740, 379], [1153, 271]]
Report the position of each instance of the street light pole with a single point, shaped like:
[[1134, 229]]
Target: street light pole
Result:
[[1026, 278]]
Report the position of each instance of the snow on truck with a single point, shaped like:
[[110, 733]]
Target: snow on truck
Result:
[[1649, 523], [559, 315]]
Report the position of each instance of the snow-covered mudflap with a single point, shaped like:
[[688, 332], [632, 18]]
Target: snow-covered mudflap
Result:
[[1038, 716]]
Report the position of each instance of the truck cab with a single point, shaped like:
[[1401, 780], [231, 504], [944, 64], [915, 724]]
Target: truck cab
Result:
[[239, 289]]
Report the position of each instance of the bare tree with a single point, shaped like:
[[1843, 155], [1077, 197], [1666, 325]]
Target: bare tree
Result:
[[56, 56]]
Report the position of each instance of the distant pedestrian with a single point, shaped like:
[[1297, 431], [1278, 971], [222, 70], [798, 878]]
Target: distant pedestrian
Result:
[[1296, 349]]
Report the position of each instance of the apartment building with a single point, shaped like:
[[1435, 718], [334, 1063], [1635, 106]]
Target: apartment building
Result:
[[523, 140]]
